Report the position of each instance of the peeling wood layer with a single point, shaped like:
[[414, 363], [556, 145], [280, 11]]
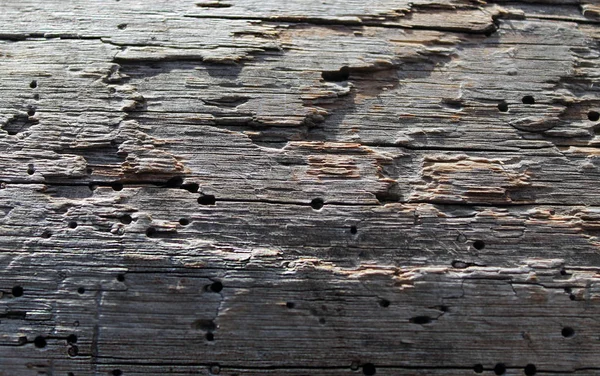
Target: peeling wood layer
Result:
[[220, 187]]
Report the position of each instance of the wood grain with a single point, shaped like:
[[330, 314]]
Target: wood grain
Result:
[[220, 187]]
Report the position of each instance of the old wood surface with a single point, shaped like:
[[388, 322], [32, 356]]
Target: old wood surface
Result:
[[242, 187]]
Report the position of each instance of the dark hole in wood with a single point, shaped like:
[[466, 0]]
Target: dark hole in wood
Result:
[[33, 84], [384, 303], [81, 290], [126, 219], [30, 169], [568, 290], [40, 342], [421, 320], [290, 305], [478, 368], [121, 277], [70, 374], [46, 234], [184, 221], [528, 99], [215, 369], [593, 116], [572, 297], [567, 332], [460, 264], [17, 291], [336, 76], [216, 286], [210, 336], [92, 186], [205, 325], [530, 370], [479, 244], [36, 96], [563, 271], [122, 26], [72, 338], [73, 351], [150, 232], [503, 107], [112, 90], [322, 321], [117, 186], [317, 203], [207, 200], [72, 224], [191, 187], [500, 369], [353, 230], [31, 112], [174, 182], [369, 369], [117, 372]]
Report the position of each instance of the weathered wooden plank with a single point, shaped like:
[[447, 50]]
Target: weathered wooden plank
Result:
[[299, 188]]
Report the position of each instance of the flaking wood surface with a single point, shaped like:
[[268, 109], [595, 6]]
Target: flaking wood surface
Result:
[[242, 187]]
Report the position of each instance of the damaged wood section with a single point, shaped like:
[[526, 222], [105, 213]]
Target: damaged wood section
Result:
[[220, 187]]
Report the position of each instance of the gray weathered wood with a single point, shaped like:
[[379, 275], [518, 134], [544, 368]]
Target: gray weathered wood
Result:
[[242, 187]]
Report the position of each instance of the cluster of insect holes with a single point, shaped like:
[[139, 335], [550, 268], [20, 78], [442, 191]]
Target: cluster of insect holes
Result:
[[529, 99]]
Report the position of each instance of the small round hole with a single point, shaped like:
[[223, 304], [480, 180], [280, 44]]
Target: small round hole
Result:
[[72, 224], [210, 336], [70, 374], [384, 303], [126, 219], [17, 291], [317, 203], [73, 351], [593, 116], [353, 230], [121, 277], [369, 369], [81, 290], [72, 338], [31, 112], [572, 297], [184, 221], [216, 286], [150, 232], [46, 234], [500, 369], [528, 99], [503, 107], [117, 186], [36, 96], [530, 370], [30, 169], [33, 84], [479, 244], [567, 332], [207, 200], [478, 368], [322, 321], [117, 372], [290, 305], [563, 271], [40, 342], [122, 26]]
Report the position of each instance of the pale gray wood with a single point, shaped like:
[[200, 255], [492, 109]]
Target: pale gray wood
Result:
[[299, 188]]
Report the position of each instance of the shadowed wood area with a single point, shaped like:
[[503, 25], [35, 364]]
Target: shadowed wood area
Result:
[[327, 188]]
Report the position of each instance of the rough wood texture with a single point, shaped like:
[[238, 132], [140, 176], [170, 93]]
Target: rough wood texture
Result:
[[242, 187]]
